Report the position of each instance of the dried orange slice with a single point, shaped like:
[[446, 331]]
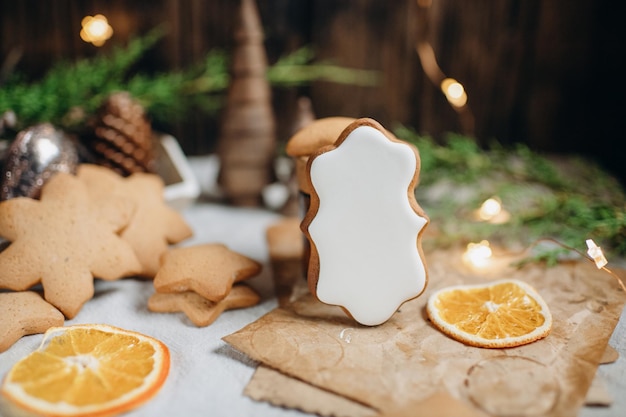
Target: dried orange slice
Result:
[[499, 314], [91, 369]]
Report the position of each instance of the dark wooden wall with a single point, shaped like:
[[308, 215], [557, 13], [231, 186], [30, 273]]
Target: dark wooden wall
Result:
[[545, 73]]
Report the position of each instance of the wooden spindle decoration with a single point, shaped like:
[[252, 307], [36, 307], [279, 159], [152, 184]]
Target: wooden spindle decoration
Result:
[[304, 116], [247, 141]]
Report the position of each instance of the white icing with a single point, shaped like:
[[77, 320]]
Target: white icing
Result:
[[365, 230]]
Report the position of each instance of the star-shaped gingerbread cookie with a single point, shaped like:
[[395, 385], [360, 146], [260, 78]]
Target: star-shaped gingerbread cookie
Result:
[[198, 309], [23, 313], [64, 240], [154, 225], [209, 269]]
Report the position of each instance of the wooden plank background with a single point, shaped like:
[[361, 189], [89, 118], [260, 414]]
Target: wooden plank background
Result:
[[545, 73]]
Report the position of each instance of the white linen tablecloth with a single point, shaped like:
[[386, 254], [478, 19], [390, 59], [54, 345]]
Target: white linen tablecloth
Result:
[[207, 377]]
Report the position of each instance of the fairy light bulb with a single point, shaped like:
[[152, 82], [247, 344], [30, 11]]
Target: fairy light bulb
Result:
[[478, 254], [490, 209], [454, 92], [96, 29], [595, 252]]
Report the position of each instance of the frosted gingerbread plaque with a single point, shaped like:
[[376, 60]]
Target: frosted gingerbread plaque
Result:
[[364, 225]]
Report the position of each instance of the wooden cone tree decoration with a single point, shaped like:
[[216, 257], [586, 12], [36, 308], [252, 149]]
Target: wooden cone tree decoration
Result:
[[247, 142]]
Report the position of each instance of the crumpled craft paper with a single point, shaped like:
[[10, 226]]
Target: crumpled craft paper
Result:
[[276, 388], [281, 390], [406, 364]]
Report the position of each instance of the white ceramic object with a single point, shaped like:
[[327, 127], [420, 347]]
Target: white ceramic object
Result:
[[364, 224], [181, 185]]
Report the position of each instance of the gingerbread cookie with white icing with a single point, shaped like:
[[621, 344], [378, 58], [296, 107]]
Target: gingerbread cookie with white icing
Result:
[[364, 225]]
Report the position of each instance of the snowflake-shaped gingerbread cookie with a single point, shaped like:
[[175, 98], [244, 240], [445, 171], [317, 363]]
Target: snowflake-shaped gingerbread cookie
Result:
[[154, 225], [364, 224], [64, 240]]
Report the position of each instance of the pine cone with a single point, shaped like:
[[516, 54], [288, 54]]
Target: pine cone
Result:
[[122, 136]]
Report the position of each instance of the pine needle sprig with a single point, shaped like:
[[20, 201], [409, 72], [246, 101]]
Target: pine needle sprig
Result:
[[300, 68], [569, 199], [72, 85], [72, 91]]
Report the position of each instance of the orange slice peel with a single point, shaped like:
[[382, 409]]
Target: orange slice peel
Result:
[[88, 370], [499, 314]]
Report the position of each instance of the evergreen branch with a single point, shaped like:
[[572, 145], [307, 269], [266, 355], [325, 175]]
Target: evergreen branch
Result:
[[298, 68], [70, 92], [66, 86], [543, 197]]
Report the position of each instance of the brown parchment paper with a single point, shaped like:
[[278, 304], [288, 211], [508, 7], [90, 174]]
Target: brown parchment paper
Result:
[[399, 367], [278, 389], [281, 390]]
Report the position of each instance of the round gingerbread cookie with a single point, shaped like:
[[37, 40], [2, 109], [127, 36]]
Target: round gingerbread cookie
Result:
[[306, 141]]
